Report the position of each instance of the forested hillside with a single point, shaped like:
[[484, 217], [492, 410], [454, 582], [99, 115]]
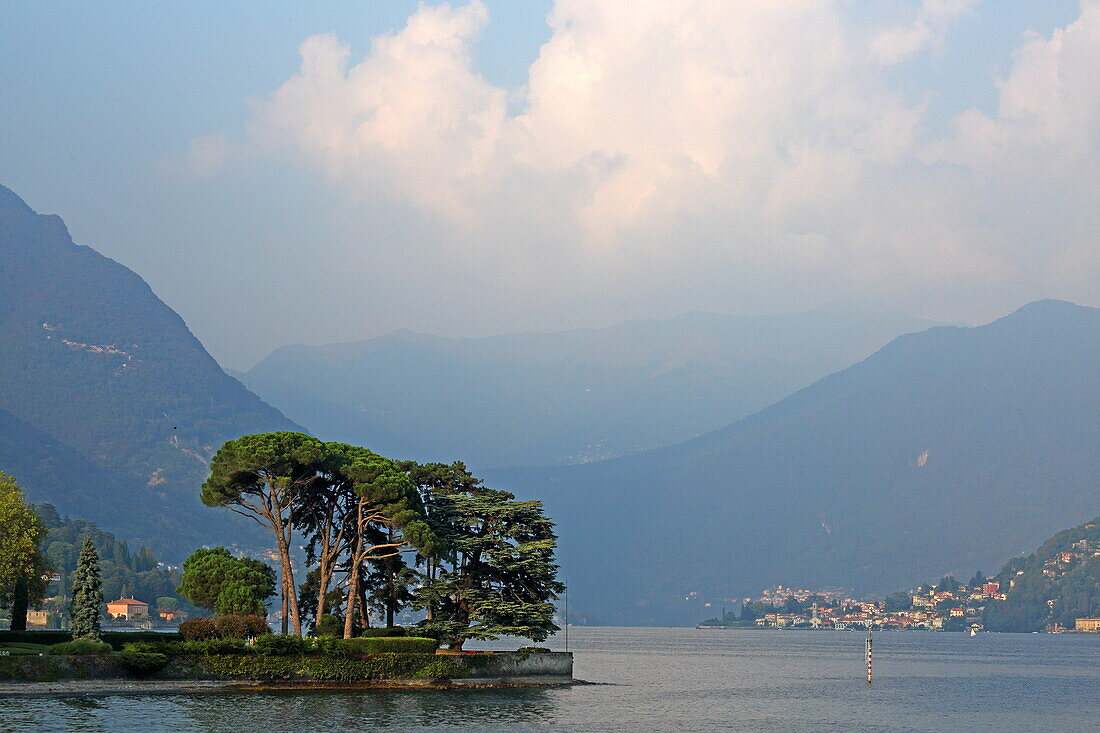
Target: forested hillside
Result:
[[1057, 584], [124, 405]]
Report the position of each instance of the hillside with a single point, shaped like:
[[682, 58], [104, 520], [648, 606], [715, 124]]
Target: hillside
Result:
[[567, 397], [1065, 570], [945, 451], [99, 367]]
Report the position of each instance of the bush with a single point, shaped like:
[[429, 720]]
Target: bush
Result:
[[143, 664], [80, 646], [385, 631], [241, 627], [533, 650], [278, 645], [199, 629], [329, 625]]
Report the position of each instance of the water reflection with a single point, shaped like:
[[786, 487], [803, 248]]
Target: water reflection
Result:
[[671, 680]]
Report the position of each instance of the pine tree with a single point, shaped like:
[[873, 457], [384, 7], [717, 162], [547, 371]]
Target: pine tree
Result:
[[87, 594]]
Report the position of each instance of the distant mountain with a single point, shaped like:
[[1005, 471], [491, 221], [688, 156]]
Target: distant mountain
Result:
[[567, 397], [111, 407], [945, 452]]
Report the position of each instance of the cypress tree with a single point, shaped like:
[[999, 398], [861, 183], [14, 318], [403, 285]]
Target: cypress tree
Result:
[[19, 603], [87, 594]]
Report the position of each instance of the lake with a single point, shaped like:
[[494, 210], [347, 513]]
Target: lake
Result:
[[674, 680]]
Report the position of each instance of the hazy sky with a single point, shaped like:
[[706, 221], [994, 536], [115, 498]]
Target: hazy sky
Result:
[[288, 174]]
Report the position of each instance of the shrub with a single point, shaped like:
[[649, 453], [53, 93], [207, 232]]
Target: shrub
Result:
[[385, 631], [278, 645], [533, 650], [328, 625], [80, 646], [199, 629], [241, 627], [142, 664]]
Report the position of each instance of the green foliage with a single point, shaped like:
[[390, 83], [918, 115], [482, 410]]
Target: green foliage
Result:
[[492, 571], [87, 594], [117, 639], [199, 629], [241, 627], [1036, 599], [281, 645], [121, 571], [22, 563], [375, 645], [329, 625], [216, 580], [384, 631], [80, 646], [142, 664]]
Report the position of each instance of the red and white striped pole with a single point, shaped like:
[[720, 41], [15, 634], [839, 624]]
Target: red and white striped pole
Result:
[[868, 655]]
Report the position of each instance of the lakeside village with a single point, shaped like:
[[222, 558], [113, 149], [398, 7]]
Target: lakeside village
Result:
[[948, 606]]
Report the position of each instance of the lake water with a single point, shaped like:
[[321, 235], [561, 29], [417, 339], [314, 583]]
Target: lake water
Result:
[[674, 680]]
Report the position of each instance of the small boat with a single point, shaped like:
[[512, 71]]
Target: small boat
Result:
[[973, 632]]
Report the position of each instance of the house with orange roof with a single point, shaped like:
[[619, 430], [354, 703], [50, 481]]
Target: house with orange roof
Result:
[[128, 609]]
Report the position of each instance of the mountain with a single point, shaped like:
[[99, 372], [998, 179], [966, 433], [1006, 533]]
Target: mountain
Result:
[[566, 397], [111, 407], [944, 452]]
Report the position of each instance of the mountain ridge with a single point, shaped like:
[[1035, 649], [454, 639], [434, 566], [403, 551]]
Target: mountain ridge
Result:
[[566, 396], [923, 459], [93, 359]]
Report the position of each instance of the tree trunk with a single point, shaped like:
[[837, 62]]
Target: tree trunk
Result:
[[290, 602], [353, 578], [285, 617]]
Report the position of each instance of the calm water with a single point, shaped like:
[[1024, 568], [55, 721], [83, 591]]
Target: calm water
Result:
[[675, 680]]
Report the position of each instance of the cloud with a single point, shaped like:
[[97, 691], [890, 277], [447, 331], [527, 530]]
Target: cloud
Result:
[[678, 142], [206, 155], [901, 42]]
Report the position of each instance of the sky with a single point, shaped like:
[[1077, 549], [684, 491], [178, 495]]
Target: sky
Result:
[[288, 174]]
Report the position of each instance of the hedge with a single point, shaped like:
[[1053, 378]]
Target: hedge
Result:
[[327, 668], [384, 631], [117, 639]]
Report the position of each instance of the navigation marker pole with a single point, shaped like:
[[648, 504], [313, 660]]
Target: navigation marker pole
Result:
[[868, 654]]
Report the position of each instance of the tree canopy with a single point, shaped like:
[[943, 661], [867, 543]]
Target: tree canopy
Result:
[[22, 563], [216, 580], [386, 535]]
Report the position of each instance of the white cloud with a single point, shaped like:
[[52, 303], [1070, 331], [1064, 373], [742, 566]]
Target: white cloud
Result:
[[742, 137], [900, 43]]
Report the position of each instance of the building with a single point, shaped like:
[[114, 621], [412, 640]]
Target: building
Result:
[[38, 619], [1088, 624], [128, 609], [173, 617]]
